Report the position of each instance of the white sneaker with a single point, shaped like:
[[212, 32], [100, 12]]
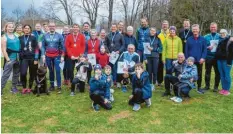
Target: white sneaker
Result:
[[148, 102], [173, 98], [118, 85]]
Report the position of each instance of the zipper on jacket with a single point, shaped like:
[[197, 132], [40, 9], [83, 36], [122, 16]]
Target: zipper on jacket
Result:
[[172, 48]]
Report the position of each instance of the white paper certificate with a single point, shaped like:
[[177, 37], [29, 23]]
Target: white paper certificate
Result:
[[113, 57], [121, 66], [214, 44], [92, 59], [146, 50]]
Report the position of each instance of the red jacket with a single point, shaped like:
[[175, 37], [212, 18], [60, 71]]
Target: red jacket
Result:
[[96, 48], [102, 59], [73, 50]]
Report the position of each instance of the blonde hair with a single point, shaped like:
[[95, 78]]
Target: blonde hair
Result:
[[6, 25]]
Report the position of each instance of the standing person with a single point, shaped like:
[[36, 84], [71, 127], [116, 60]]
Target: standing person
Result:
[[224, 56], [115, 43], [29, 54], [52, 52], [121, 27], [141, 88], [75, 45], [129, 38], [196, 47], [45, 28], [162, 35], [171, 47], [102, 37], [19, 30], [152, 60], [10, 46], [185, 33], [86, 31], [142, 34], [99, 90], [93, 44], [65, 33], [212, 41], [37, 32]]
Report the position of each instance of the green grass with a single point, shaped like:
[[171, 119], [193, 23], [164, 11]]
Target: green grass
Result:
[[210, 112]]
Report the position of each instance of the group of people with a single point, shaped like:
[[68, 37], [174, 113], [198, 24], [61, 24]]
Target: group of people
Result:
[[182, 54]]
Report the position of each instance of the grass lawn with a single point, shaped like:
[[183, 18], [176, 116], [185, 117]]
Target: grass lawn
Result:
[[210, 112]]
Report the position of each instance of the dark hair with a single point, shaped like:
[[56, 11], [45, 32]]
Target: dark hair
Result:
[[28, 26], [86, 23], [106, 48]]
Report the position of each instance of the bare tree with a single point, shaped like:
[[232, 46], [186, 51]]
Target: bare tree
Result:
[[17, 14], [52, 9], [110, 12]]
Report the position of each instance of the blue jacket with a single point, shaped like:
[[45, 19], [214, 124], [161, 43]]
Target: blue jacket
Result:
[[177, 68], [157, 47], [209, 37], [142, 34], [142, 83], [37, 34], [196, 48], [130, 40], [100, 86], [130, 57], [190, 72]]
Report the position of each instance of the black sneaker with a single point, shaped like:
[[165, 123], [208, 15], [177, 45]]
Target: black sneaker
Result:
[[200, 91], [166, 94], [59, 90], [215, 89], [51, 89]]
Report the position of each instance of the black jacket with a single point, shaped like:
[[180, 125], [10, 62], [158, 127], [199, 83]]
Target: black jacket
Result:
[[30, 50], [118, 42]]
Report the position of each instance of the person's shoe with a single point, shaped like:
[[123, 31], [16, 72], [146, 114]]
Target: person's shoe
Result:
[[51, 89], [226, 93], [178, 100], [124, 89], [118, 85], [200, 91], [205, 88], [95, 107], [59, 90], [64, 82], [173, 98], [111, 95], [14, 90], [24, 91], [215, 89], [152, 87], [72, 94], [29, 90], [166, 94], [221, 91], [136, 107], [148, 102]]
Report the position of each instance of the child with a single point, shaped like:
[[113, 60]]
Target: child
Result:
[[141, 88], [187, 79], [102, 56], [125, 82], [82, 67], [99, 91], [107, 73], [152, 59]]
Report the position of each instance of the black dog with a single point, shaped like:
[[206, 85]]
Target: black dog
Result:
[[41, 81]]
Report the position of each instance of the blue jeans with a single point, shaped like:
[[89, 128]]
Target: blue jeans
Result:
[[168, 64], [53, 63], [225, 74]]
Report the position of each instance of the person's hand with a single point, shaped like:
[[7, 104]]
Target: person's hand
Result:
[[105, 101], [97, 77], [164, 62], [73, 58], [108, 79], [202, 61], [145, 61], [210, 47], [62, 59], [125, 69], [35, 62], [43, 59], [131, 96], [191, 80], [117, 52], [150, 48], [231, 39]]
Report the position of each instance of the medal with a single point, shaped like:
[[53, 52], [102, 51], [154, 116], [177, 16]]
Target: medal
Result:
[[113, 39], [93, 50], [25, 43], [93, 46], [75, 40], [112, 44], [38, 85], [25, 48], [184, 41], [75, 45]]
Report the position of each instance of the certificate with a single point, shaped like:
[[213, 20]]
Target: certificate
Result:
[[146, 50], [113, 57], [121, 67], [91, 59], [214, 44]]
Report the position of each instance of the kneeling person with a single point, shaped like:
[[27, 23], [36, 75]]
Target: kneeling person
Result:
[[99, 91], [141, 88]]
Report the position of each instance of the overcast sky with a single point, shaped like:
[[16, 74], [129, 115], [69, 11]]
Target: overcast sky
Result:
[[10, 5]]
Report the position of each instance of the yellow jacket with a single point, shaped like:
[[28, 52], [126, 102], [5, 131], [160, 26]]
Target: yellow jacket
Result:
[[171, 47], [163, 34]]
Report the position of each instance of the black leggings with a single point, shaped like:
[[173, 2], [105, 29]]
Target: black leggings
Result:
[[98, 99], [81, 85], [24, 65], [137, 97]]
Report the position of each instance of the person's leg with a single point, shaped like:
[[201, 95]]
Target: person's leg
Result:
[[32, 71], [97, 99], [6, 73], [160, 70], [81, 86], [208, 67], [155, 69], [140, 53], [169, 79], [199, 71], [227, 76], [149, 67], [23, 72], [16, 73], [65, 70], [74, 82], [50, 64], [168, 65], [221, 72], [137, 96], [57, 61], [217, 75], [185, 91]]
